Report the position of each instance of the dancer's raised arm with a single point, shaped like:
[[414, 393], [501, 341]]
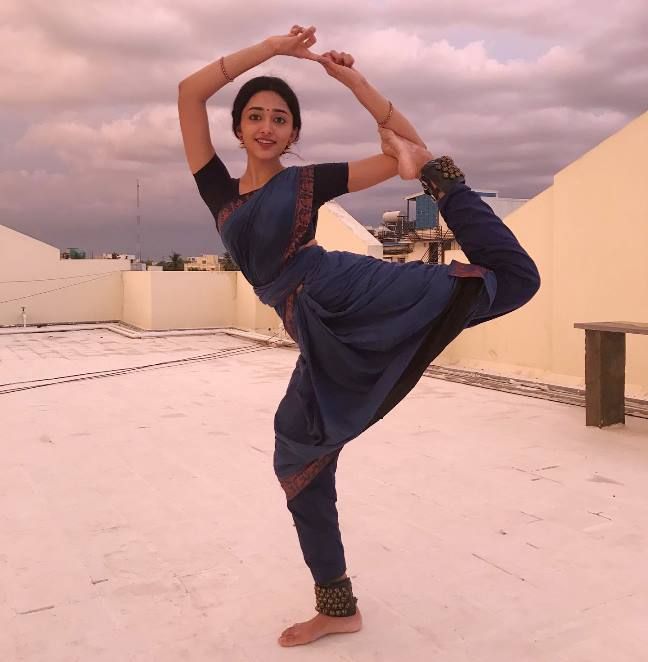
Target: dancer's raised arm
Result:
[[194, 90], [340, 66]]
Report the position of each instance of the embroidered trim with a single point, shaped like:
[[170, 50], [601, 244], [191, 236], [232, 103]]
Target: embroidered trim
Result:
[[303, 210], [289, 316], [227, 210], [295, 483], [461, 270]]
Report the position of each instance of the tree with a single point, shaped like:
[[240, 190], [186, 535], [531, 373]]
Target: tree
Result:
[[174, 263], [228, 264]]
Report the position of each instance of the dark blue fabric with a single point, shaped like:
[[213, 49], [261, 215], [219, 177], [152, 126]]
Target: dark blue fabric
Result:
[[362, 326], [257, 234], [316, 520], [359, 321], [488, 242]]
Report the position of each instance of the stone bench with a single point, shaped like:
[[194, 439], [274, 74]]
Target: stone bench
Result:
[[605, 358]]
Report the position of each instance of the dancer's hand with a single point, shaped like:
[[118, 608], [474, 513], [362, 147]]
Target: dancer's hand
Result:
[[296, 43], [340, 67]]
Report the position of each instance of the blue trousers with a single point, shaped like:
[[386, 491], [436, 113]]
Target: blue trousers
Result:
[[487, 242]]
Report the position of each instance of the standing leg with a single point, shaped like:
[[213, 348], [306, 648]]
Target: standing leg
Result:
[[316, 519], [315, 515]]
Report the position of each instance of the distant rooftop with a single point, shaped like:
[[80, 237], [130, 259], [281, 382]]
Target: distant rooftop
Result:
[[142, 520]]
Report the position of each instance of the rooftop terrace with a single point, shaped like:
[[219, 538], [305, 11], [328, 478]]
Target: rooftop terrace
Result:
[[141, 519]]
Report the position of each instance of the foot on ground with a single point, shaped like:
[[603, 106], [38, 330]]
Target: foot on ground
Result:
[[319, 626]]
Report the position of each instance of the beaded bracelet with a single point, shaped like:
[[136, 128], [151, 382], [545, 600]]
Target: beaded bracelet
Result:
[[228, 78], [389, 114]]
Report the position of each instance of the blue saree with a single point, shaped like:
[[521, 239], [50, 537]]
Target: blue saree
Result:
[[366, 329], [358, 321]]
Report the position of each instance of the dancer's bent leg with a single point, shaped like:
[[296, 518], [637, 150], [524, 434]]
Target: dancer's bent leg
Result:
[[486, 241], [482, 235]]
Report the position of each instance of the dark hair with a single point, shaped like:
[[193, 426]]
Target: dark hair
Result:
[[263, 84]]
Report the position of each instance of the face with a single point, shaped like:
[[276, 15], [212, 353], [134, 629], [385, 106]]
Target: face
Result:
[[266, 126]]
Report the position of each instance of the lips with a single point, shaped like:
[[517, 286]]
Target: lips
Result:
[[265, 143]]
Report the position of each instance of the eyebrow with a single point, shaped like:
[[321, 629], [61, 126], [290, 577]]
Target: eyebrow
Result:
[[274, 110]]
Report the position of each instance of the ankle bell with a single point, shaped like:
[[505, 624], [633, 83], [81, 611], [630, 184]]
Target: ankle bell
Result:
[[335, 599], [440, 176]]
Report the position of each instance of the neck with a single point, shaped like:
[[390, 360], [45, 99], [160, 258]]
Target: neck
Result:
[[257, 173]]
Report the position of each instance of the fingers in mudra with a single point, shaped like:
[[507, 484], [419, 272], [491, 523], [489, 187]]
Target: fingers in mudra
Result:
[[343, 59], [306, 38]]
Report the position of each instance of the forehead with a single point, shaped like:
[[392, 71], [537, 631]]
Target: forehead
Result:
[[267, 99]]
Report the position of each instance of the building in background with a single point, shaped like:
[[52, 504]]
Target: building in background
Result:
[[73, 254], [421, 234], [118, 256], [202, 263]]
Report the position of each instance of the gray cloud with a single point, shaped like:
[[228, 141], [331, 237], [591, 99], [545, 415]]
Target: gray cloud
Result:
[[515, 91]]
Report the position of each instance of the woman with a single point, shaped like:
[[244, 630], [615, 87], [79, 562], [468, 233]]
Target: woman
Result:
[[366, 329]]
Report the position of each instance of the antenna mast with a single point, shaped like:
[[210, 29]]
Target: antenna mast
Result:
[[139, 231]]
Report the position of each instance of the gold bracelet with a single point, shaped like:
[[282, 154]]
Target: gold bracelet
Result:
[[389, 114], [228, 78]]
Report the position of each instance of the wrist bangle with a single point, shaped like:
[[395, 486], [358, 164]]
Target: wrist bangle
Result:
[[389, 114], [228, 78]]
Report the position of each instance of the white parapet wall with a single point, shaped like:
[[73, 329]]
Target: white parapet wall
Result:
[[33, 276], [337, 230], [162, 300]]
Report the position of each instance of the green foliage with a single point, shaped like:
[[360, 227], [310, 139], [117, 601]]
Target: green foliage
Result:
[[174, 263], [228, 264]]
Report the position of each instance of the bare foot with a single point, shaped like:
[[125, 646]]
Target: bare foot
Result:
[[411, 157], [319, 626]]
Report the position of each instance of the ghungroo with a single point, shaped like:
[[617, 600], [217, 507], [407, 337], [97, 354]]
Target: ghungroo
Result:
[[335, 599], [440, 176]]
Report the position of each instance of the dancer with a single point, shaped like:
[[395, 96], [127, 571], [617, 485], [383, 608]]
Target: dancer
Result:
[[366, 329]]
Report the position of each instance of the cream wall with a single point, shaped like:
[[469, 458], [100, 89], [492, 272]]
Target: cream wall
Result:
[[420, 248], [603, 196], [250, 313], [337, 230], [589, 236], [162, 300], [54, 289], [137, 306]]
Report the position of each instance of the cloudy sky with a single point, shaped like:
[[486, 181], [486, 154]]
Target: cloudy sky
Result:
[[513, 89]]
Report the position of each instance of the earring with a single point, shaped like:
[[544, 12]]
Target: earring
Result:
[[242, 145]]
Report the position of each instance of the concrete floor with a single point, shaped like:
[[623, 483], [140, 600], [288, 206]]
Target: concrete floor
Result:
[[141, 520]]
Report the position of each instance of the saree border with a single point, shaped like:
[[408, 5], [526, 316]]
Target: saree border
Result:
[[303, 211], [295, 483]]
